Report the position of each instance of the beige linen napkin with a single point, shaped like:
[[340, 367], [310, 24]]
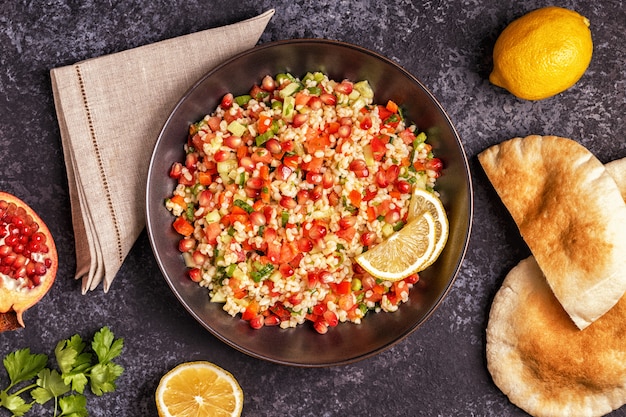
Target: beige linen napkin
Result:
[[110, 111]]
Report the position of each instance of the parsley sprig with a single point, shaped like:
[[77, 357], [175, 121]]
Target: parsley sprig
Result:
[[78, 367]]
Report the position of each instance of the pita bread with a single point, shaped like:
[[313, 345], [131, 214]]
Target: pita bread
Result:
[[543, 362], [571, 215], [617, 171]]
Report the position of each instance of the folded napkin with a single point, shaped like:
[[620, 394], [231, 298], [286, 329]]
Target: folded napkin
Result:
[[110, 111]]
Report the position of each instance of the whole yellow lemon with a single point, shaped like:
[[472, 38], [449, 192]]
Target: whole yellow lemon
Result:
[[542, 53]]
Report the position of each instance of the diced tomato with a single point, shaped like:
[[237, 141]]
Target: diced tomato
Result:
[[301, 98], [212, 231], [288, 251], [346, 234], [264, 123], [314, 165], [316, 141], [378, 148], [179, 200], [392, 106], [343, 287], [383, 112], [333, 127], [251, 311], [182, 226], [407, 136], [355, 198], [204, 178], [214, 123]]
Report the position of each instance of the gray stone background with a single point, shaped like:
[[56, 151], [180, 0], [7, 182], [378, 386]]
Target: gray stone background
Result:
[[440, 369]]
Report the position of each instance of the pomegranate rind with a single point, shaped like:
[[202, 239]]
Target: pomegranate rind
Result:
[[14, 303]]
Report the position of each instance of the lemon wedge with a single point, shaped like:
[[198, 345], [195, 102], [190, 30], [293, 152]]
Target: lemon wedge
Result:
[[425, 201], [404, 252], [199, 389]]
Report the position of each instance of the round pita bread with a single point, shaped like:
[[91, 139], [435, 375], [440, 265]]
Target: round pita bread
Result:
[[540, 360], [543, 362], [570, 213]]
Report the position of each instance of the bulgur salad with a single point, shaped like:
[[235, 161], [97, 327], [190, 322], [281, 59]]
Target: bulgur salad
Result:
[[282, 187]]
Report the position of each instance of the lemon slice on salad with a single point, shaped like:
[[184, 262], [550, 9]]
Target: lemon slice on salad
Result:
[[199, 389], [426, 201], [404, 253]]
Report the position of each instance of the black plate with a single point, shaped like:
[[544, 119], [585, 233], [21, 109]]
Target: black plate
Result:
[[347, 342]]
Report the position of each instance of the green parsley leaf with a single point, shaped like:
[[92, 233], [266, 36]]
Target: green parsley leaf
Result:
[[103, 377], [50, 385], [22, 365], [14, 403], [73, 406], [106, 346]]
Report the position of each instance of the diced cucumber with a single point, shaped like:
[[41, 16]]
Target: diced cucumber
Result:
[[289, 106], [236, 128], [213, 216], [364, 88], [290, 89]]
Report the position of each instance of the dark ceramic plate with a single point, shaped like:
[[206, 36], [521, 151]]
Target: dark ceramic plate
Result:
[[347, 342]]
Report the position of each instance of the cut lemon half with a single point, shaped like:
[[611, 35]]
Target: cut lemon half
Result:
[[199, 389], [404, 253], [425, 201]]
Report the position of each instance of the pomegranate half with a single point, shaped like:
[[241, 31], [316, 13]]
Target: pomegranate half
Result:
[[28, 260]]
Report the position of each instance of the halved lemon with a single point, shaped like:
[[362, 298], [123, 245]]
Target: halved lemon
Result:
[[425, 201], [404, 252], [199, 389]]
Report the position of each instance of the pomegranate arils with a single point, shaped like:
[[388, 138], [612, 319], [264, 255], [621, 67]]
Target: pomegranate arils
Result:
[[20, 240]]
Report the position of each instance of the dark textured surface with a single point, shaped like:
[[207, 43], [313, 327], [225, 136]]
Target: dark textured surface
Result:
[[437, 371]]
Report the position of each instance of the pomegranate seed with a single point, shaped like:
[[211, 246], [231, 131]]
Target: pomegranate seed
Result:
[[221, 156], [317, 231], [331, 318], [186, 244], [195, 274], [319, 309], [357, 165], [434, 164], [314, 177], [403, 186], [302, 197], [199, 258], [272, 320], [391, 173], [205, 198], [362, 174], [233, 142], [176, 170], [381, 179], [328, 99], [255, 183], [288, 202], [5, 250], [252, 192], [328, 179], [257, 218], [257, 322], [227, 101], [368, 238], [247, 163], [345, 87], [304, 245], [315, 103], [333, 199], [320, 326], [346, 222], [392, 216], [268, 83], [274, 146], [317, 192], [344, 131], [299, 119], [283, 172]]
